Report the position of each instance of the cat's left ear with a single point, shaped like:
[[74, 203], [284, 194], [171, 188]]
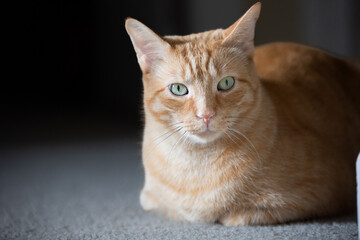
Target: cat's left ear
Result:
[[241, 33]]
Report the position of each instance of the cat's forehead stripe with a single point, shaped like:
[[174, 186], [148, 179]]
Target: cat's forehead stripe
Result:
[[198, 62], [189, 71]]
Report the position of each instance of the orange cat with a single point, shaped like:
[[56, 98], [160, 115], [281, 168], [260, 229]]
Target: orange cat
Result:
[[242, 135]]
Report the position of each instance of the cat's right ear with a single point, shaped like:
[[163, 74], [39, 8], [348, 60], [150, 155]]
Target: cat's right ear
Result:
[[149, 47]]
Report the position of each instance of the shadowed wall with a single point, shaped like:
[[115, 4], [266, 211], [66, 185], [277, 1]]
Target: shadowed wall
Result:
[[72, 72]]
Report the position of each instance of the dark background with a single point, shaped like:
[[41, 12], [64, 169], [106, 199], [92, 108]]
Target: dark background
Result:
[[70, 72]]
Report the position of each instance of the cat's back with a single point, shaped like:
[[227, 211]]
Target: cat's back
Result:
[[312, 88], [307, 67]]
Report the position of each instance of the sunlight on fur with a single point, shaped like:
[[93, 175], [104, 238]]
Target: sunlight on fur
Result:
[[242, 135]]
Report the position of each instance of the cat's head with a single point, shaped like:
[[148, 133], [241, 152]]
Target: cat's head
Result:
[[204, 83]]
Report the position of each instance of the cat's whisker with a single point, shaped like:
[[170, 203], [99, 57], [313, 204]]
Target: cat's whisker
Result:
[[248, 128], [170, 133], [163, 137], [230, 133], [182, 142], [247, 139], [171, 127], [242, 125], [176, 143], [231, 139], [244, 118], [234, 121], [247, 120]]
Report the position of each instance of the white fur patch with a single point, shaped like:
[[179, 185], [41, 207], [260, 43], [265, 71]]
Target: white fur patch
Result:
[[188, 75], [212, 69]]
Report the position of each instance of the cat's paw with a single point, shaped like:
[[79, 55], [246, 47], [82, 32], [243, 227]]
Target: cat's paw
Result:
[[147, 201], [250, 217], [233, 220]]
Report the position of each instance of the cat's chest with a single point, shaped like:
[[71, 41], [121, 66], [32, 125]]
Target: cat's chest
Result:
[[184, 168], [195, 182]]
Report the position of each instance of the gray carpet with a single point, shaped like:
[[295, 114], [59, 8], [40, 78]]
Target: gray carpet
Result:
[[91, 191]]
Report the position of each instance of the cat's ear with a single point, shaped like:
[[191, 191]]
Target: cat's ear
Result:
[[149, 47], [241, 33]]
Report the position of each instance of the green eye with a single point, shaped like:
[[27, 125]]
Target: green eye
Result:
[[226, 83], [178, 89]]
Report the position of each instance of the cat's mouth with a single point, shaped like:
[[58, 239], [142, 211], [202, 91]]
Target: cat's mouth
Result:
[[206, 136], [206, 132]]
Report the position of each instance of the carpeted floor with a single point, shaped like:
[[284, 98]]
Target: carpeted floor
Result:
[[91, 191]]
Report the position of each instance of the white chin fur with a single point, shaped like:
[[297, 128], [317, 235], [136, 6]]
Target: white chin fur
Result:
[[205, 138]]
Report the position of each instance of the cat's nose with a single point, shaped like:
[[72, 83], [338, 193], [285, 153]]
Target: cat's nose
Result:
[[206, 117]]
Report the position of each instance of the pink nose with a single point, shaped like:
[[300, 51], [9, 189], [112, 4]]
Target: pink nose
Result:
[[206, 117]]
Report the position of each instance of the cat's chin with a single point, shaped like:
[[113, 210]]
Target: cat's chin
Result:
[[205, 137]]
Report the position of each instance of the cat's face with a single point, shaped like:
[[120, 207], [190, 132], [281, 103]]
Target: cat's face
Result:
[[203, 89], [200, 85]]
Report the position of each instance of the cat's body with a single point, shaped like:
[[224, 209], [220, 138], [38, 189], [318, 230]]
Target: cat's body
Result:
[[278, 145]]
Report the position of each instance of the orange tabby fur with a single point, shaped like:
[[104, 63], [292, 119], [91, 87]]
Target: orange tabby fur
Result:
[[281, 144]]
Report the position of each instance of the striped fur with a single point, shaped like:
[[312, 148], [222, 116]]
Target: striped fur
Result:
[[280, 145]]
